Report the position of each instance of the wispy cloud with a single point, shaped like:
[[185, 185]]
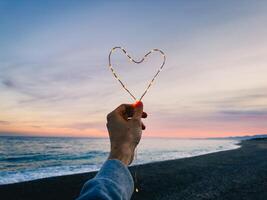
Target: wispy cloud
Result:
[[54, 73], [4, 122], [8, 83], [85, 125]]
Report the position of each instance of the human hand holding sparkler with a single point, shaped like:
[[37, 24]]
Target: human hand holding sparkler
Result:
[[114, 181], [125, 130]]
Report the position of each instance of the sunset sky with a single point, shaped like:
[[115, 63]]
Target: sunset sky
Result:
[[55, 81]]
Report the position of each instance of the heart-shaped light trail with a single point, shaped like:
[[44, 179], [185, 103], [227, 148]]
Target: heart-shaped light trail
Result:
[[137, 62]]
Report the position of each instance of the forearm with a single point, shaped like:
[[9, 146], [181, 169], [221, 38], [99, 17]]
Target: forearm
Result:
[[113, 181]]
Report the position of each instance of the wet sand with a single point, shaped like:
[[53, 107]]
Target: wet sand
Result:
[[233, 174]]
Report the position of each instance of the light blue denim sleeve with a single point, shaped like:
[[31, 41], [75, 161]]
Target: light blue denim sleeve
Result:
[[112, 182]]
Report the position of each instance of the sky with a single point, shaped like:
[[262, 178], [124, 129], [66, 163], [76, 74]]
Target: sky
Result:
[[55, 81]]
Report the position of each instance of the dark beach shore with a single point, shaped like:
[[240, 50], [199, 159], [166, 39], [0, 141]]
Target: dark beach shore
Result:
[[234, 174]]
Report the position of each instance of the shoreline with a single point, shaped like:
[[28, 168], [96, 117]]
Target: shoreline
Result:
[[29, 174], [239, 173], [94, 168]]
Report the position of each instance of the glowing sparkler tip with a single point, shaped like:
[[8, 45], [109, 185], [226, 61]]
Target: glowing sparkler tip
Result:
[[137, 103]]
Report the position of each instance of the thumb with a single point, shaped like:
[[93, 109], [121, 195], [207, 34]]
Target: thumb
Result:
[[138, 110]]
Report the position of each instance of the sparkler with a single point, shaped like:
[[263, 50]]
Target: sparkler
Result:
[[137, 62], [127, 90]]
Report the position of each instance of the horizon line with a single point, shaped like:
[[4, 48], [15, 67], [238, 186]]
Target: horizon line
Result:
[[144, 137]]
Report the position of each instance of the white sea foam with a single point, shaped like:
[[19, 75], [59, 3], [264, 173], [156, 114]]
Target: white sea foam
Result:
[[27, 175]]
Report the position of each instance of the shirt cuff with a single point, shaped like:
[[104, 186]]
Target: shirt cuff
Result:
[[115, 170]]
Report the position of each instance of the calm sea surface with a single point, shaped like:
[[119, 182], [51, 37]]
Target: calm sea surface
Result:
[[28, 158]]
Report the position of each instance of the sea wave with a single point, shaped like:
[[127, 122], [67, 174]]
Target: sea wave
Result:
[[8, 177], [20, 161]]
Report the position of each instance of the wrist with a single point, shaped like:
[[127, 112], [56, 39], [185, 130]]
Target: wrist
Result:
[[124, 153]]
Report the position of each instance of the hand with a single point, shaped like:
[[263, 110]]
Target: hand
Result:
[[125, 129]]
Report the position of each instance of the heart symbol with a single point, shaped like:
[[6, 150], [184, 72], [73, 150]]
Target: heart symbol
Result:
[[136, 62]]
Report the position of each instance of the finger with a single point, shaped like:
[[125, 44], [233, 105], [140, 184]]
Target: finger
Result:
[[143, 126], [138, 110], [122, 108], [127, 111], [124, 111], [130, 111], [144, 115]]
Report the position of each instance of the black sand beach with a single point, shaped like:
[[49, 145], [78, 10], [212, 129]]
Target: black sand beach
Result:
[[234, 174]]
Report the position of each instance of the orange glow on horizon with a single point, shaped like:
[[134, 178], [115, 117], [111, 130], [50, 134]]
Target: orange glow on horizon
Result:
[[55, 132], [180, 133]]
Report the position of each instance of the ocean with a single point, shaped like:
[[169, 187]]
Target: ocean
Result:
[[29, 158]]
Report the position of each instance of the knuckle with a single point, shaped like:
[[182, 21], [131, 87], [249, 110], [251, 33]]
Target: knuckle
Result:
[[120, 106], [109, 116]]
